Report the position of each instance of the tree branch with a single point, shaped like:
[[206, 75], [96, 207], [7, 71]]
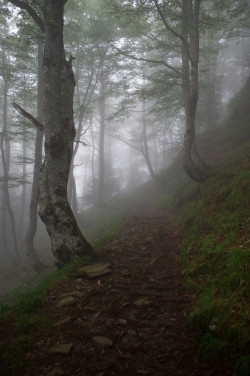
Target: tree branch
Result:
[[152, 61], [128, 143], [169, 28], [31, 11], [26, 114]]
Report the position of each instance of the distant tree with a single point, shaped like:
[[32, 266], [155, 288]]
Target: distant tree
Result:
[[33, 207], [171, 35], [9, 243]]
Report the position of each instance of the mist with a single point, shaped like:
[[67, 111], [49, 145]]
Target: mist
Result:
[[128, 109]]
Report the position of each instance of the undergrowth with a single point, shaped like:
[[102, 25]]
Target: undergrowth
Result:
[[215, 255], [214, 217], [20, 317]]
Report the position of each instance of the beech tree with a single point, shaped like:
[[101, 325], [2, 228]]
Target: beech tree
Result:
[[67, 241]]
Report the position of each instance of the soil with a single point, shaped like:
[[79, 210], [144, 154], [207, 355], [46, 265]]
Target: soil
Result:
[[140, 309]]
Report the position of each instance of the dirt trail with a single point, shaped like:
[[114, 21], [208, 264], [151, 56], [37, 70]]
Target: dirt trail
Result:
[[140, 309]]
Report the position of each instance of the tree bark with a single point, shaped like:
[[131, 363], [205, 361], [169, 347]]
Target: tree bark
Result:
[[190, 62], [67, 241]]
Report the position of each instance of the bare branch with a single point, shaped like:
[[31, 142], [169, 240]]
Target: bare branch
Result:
[[26, 114], [31, 11], [152, 61], [81, 142], [127, 142]]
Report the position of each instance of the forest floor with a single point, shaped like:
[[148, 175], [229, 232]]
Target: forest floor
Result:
[[131, 321]]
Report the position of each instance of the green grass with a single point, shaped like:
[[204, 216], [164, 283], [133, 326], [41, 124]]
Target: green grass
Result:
[[216, 261], [214, 218]]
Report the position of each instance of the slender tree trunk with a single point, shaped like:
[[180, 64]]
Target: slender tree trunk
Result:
[[102, 104], [190, 61], [94, 189], [7, 204], [67, 240], [24, 191], [32, 226], [145, 150]]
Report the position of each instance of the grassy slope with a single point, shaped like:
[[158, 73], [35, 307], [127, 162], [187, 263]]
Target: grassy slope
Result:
[[215, 220], [215, 254]]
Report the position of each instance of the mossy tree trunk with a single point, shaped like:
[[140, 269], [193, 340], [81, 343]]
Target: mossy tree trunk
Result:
[[67, 240]]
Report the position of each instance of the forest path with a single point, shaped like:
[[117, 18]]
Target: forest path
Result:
[[132, 321]]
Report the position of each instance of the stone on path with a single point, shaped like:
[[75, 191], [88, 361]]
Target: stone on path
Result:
[[61, 349], [121, 322], [102, 341], [96, 270], [74, 294], [142, 301], [62, 322], [70, 300], [56, 371]]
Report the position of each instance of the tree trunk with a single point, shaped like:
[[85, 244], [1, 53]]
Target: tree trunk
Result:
[[145, 151], [190, 61], [32, 226], [5, 160], [67, 240], [102, 104], [24, 190]]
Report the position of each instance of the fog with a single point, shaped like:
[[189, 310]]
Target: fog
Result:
[[128, 112]]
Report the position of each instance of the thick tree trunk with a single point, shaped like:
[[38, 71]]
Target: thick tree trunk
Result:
[[32, 226], [67, 240]]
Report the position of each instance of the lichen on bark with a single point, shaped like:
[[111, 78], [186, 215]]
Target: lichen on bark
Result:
[[67, 241]]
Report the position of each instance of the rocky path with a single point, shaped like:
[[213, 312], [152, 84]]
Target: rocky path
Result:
[[132, 320]]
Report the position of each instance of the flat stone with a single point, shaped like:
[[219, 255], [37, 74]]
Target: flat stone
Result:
[[121, 322], [75, 294], [102, 341], [57, 371], [141, 302], [61, 349], [62, 322], [70, 300], [95, 270]]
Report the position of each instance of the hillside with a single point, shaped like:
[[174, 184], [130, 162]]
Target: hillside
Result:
[[176, 299]]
